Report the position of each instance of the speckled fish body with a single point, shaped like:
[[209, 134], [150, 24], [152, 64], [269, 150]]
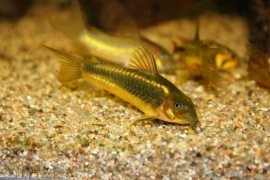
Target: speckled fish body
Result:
[[114, 48], [139, 84]]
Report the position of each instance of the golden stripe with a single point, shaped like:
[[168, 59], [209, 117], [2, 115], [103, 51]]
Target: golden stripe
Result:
[[125, 95], [118, 90]]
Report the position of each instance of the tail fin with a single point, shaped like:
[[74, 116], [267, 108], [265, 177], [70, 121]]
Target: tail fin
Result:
[[74, 25], [71, 66]]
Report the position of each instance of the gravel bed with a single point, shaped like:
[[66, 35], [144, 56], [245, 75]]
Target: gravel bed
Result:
[[49, 131]]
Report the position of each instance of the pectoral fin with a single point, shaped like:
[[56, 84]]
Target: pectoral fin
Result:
[[144, 118], [209, 68]]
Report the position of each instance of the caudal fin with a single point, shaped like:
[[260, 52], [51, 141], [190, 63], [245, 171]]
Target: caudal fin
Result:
[[75, 24], [71, 66]]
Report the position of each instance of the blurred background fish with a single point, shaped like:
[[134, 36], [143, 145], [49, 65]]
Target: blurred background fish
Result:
[[111, 47], [206, 58], [259, 66]]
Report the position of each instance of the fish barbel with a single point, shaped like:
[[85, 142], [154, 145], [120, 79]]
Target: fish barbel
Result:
[[140, 84], [114, 48]]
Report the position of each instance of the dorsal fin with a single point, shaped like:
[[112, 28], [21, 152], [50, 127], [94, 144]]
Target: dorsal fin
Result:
[[144, 60], [128, 27], [197, 37]]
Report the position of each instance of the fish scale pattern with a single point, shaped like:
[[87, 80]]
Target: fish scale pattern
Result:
[[138, 83]]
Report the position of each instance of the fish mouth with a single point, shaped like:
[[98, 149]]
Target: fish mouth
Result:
[[187, 118]]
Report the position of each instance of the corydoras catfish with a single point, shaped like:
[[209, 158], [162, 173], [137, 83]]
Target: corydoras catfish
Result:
[[114, 48], [139, 84], [206, 58]]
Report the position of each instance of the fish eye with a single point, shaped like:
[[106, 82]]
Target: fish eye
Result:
[[180, 49], [177, 105], [164, 56], [233, 56]]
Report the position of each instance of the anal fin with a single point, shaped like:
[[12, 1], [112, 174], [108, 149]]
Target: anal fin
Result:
[[81, 85]]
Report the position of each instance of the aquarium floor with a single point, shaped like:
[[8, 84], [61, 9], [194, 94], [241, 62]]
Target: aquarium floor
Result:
[[48, 131]]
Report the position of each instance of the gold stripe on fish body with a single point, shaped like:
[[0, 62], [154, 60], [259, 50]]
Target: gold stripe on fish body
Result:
[[137, 87], [139, 84], [118, 49]]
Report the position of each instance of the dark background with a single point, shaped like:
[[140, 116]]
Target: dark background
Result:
[[106, 14]]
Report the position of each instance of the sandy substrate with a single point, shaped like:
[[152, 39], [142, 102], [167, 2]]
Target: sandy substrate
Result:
[[48, 131]]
